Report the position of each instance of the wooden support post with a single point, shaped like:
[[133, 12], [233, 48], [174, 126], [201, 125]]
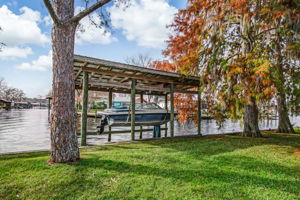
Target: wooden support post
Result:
[[141, 132], [84, 108], [109, 106], [110, 94], [199, 111], [172, 110], [166, 107], [132, 109], [141, 127]]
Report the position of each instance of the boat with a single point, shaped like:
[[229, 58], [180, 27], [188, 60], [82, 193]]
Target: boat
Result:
[[146, 114]]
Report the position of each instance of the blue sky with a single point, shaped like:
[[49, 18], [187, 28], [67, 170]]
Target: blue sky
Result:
[[25, 62]]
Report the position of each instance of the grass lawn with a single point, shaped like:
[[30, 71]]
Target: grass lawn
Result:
[[212, 167]]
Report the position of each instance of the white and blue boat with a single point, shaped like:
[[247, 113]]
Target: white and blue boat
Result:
[[146, 114]]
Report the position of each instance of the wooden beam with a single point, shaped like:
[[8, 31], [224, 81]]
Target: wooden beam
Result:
[[121, 91], [172, 110], [110, 98], [132, 102], [141, 127], [146, 88], [84, 108], [166, 107], [112, 78], [124, 80], [110, 95], [118, 132], [79, 71], [100, 75], [77, 74], [125, 86], [199, 111], [162, 80]]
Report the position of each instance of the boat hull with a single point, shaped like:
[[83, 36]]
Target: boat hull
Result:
[[146, 119], [145, 115]]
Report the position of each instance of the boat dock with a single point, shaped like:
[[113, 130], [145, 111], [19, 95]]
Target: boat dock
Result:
[[92, 74]]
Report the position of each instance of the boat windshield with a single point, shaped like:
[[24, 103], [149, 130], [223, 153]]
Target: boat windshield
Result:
[[121, 105], [126, 105]]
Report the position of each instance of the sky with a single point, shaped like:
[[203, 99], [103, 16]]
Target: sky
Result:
[[25, 61]]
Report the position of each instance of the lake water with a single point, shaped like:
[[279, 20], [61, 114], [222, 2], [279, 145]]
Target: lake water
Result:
[[28, 130]]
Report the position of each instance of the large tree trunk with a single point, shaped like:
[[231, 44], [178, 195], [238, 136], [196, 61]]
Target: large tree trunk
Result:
[[284, 123], [251, 128], [64, 144]]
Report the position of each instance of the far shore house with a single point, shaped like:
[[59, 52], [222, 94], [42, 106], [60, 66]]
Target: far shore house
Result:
[[4, 104]]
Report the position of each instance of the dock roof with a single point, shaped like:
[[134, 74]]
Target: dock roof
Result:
[[107, 75]]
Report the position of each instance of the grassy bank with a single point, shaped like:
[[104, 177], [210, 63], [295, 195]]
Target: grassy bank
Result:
[[213, 167]]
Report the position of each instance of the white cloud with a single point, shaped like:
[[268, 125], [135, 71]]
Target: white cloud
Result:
[[144, 21], [42, 63], [15, 52], [89, 33], [21, 29], [48, 20]]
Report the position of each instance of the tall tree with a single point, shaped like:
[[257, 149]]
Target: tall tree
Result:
[[284, 48], [222, 42], [64, 145]]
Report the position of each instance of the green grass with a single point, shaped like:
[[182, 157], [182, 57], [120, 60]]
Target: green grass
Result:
[[212, 167]]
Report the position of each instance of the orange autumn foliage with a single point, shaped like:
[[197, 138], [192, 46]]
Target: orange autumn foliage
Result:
[[184, 103], [208, 41], [164, 65]]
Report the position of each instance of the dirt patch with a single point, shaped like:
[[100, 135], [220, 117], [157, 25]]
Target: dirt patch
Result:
[[297, 152]]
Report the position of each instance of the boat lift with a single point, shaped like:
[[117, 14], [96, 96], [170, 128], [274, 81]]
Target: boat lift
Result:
[[92, 74]]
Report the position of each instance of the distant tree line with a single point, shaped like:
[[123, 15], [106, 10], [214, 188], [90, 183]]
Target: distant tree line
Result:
[[10, 93]]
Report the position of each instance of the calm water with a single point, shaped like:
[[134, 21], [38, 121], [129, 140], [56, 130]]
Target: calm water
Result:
[[28, 130]]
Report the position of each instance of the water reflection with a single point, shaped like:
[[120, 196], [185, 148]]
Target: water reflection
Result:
[[23, 130], [28, 130]]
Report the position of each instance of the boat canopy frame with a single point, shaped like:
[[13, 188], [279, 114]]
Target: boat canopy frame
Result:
[[93, 74]]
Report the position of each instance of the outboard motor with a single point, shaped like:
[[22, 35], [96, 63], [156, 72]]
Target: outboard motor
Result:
[[103, 123]]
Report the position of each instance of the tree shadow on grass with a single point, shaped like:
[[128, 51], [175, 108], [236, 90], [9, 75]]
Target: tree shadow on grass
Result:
[[24, 155], [218, 170], [219, 144], [211, 171], [221, 168], [208, 164]]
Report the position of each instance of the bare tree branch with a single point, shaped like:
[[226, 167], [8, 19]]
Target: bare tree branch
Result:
[[52, 12], [143, 60], [1, 43], [89, 10]]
